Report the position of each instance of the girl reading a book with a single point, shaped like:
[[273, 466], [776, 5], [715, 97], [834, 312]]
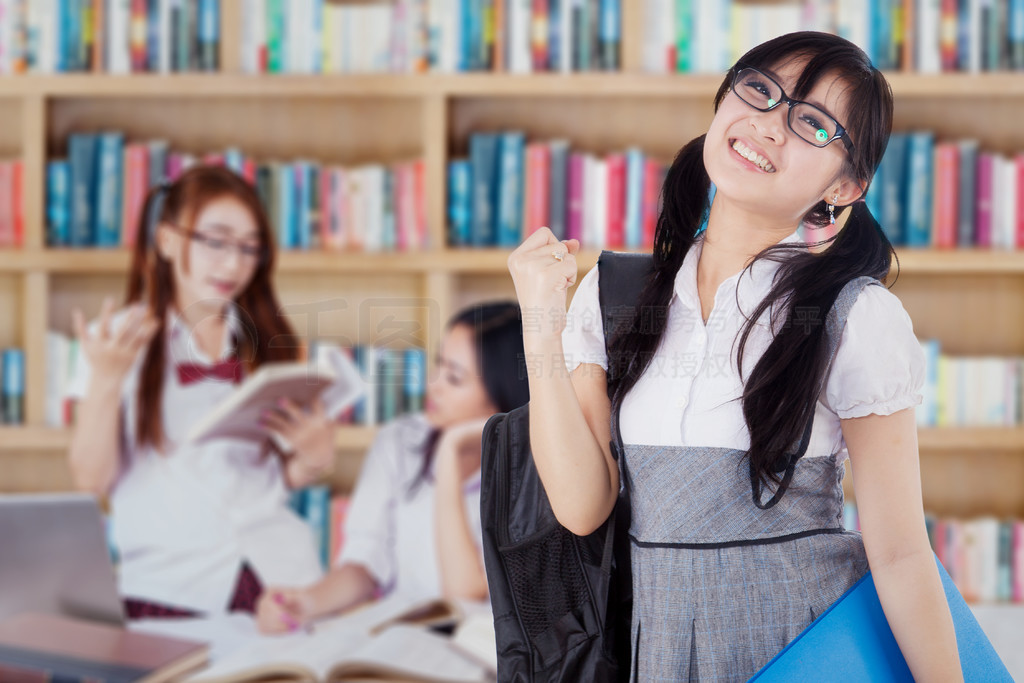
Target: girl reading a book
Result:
[[413, 526], [752, 366], [199, 527]]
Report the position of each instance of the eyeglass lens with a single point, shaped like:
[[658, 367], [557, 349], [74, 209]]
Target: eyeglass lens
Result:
[[806, 120]]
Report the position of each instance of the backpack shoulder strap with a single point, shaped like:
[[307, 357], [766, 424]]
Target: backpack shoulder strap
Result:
[[621, 279]]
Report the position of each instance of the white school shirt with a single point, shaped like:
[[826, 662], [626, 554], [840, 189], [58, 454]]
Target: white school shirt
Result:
[[390, 526], [184, 521], [690, 394]]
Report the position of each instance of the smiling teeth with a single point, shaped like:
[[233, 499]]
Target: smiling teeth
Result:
[[753, 157]]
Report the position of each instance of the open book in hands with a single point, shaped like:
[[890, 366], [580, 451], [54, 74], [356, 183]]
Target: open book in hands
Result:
[[330, 375], [387, 640]]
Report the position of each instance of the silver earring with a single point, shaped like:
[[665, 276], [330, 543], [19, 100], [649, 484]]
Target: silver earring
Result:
[[832, 209]]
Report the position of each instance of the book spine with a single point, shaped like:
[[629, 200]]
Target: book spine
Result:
[[983, 216], [415, 376], [946, 195], [285, 182], [482, 154], [137, 40], [558, 188], [610, 34], [1018, 163], [651, 192], [136, 183], [574, 207], [633, 237], [6, 205], [109, 187], [82, 155], [596, 203], [919, 189], [18, 201], [538, 163], [317, 512], [615, 232], [511, 147], [1018, 561], [966, 206], [209, 35], [12, 375], [420, 204], [387, 209], [340, 224], [892, 199], [459, 208], [58, 203]]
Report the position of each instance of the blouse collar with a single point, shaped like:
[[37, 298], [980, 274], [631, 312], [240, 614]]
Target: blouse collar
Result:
[[751, 284], [183, 345]]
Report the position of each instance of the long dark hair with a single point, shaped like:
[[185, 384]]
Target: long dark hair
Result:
[[501, 361], [780, 393], [151, 279]]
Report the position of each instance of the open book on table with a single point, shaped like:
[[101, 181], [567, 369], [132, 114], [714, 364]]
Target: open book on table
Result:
[[389, 639], [330, 375]]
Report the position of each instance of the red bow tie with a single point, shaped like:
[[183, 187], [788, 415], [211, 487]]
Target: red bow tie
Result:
[[189, 373]]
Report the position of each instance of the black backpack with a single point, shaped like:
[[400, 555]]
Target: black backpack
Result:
[[562, 603]]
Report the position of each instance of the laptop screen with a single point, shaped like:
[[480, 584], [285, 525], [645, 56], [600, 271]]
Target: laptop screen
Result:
[[54, 558]]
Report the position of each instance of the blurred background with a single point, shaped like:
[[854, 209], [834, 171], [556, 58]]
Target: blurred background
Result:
[[402, 148]]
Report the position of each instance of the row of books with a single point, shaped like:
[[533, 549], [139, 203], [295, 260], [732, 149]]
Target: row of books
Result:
[[408, 36], [926, 193], [109, 36], [508, 188], [945, 194], [12, 386], [326, 514], [970, 391], [984, 556], [395, 381], [12, 203], [94, 196], [927, 36]]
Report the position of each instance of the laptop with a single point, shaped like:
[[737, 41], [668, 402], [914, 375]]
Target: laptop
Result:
[[54, 558]]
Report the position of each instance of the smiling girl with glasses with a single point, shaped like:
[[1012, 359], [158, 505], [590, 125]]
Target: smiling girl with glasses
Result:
[[752, 368], [200, 526]]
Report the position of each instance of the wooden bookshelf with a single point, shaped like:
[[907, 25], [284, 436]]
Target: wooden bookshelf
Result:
[[969, 299]]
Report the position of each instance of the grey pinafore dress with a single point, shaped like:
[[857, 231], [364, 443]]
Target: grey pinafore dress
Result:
[[719, 584]]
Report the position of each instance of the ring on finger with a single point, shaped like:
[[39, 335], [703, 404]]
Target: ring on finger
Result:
[[558, 255]]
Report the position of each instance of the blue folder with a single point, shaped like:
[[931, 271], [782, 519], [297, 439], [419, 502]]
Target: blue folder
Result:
[[852, 641]]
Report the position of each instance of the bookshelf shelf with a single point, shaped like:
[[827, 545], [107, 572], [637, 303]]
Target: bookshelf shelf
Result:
[[352, 438], [30, 439], [971, 439], [610, 84], [479, 261]]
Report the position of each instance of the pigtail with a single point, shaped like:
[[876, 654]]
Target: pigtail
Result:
[[685, 205], [780, 394], [150, 281]]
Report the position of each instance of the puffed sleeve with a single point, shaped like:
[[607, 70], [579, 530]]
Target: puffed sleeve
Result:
[[370, 521], [583, 336], [879, 366]]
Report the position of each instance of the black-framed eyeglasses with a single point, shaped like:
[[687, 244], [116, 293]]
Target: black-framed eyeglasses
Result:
[[811, 124], [219, 247]]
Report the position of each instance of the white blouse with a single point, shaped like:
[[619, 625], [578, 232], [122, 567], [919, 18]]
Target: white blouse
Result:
[[390, 524], [184, 521], [690, 394]]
